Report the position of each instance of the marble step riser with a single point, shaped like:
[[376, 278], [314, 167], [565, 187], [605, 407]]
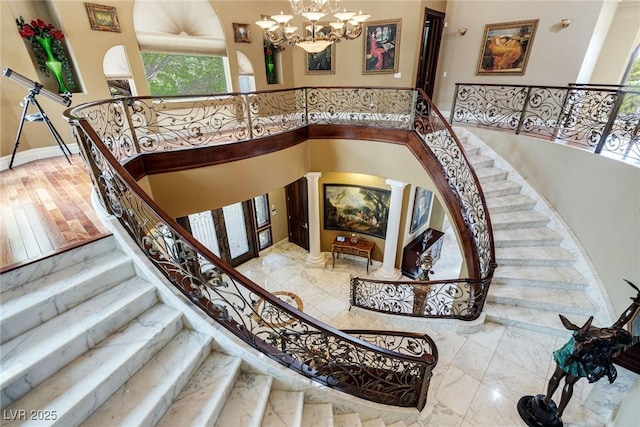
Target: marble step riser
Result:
[[542, 284], [480, 164], [514, 243], [283, 408], [247, 402], [519, 224], [169, 370], [518, 262], [494, 177], [553, 308], [101, 376], [50, 265], [38, 312], [518, 207], [201, 401], [509, 191], [526, 325], [72, 347]]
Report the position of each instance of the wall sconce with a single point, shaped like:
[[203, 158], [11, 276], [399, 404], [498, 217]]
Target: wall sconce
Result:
[[462, 31], [565, 22]]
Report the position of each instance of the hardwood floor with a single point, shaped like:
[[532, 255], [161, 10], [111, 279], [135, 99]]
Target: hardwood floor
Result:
[[45, 207]]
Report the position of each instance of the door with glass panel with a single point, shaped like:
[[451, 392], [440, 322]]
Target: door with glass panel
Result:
[[236, 232]]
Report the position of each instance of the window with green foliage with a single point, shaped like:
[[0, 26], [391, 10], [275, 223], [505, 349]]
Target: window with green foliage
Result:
[[171, 74]]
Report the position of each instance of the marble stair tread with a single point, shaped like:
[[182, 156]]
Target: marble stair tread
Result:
[[534, 319], [35, 302], [397, 424], [201, 401], [491, 174], [471, 149], [540, 277], [557, 300], [509, 203], [30, 358], [51, 265], [317, 415], [78, 389], [518, 219], [500, 188], [535, 256], [143, 398], [347, 420], [284, 409], [479, 161], [247, 401], [534, 236]]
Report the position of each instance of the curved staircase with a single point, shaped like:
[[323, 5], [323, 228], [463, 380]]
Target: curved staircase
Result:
[[541, 272], [87, 341]]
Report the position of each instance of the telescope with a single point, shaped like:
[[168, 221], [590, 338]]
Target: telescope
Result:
[[64, 99], [36, 88]]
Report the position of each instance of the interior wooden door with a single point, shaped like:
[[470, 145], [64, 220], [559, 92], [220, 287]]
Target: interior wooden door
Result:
[[298, 213], [430, 48]]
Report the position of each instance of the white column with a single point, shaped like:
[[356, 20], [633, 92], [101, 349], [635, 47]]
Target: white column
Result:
[[315, 258], [388, 270]]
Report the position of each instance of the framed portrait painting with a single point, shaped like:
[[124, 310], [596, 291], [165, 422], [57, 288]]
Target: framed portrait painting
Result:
[[356, 209], [421, 208], [381, 46], [241, 33], [321, 62], [506, 47], [102, 18]]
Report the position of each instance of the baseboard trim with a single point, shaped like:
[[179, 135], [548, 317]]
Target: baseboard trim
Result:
[[27, 156]]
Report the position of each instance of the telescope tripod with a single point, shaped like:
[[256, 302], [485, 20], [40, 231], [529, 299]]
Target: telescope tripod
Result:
[[40, 116]]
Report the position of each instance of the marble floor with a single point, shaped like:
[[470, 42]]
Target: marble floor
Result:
[[479, 377]]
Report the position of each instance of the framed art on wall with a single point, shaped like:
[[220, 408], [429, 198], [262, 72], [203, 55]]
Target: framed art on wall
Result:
[[381, 46], [421, 208], [321, 62], [506, 47], [356, 209], [102, 18], [241, 33]]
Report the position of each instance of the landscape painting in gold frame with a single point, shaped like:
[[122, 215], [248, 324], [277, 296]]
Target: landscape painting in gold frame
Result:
[[102, 18]]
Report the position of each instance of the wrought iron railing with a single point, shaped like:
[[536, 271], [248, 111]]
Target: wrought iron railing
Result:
[[456, 298], [386, 367], [392, 368], [601, 118]]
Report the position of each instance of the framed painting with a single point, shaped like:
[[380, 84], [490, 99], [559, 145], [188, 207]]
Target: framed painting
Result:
[[381, 46], [321, 62], [356, 209], [102, 18], [421, 208], [241, 33], [506, 47]]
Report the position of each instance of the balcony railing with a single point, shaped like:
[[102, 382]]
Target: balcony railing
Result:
[[386, 367], [604, 119]]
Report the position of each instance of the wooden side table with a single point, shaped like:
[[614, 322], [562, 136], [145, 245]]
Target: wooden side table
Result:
[[362, 248]]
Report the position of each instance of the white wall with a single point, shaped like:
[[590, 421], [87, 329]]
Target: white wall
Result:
[[556, 55]]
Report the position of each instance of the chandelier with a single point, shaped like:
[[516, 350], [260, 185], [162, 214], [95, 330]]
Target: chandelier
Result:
[[316, 38]]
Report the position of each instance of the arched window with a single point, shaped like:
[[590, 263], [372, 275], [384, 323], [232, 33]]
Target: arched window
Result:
[[245, 73], [182, 46], [632, 74], [115, 66]]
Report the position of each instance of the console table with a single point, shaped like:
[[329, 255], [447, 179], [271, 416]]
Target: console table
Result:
[[361, 248]]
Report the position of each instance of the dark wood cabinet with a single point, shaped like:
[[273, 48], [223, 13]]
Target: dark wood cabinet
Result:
[[432, 240]]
